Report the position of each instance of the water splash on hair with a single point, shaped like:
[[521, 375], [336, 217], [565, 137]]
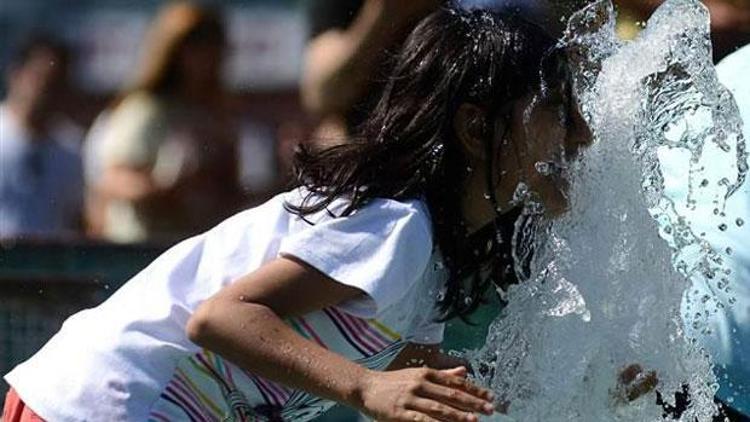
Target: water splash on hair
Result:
[[603, 286]]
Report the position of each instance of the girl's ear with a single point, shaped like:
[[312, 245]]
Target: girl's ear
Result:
[[471, 129]]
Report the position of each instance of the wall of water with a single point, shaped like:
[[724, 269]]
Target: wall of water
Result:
[[606, 280]]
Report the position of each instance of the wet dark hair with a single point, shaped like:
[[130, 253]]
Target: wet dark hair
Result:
[[405, 149]]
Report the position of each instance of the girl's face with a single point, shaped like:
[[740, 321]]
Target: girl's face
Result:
[[540, 137]]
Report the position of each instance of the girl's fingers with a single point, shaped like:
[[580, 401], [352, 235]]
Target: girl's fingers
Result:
[[629, 373], [643, 384], [459, 371], [447, 379], [412, 415], [441, 412], [457, 399]]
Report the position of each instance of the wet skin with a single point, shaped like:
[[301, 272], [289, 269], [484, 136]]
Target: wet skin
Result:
[[554, 132], [549, 131]]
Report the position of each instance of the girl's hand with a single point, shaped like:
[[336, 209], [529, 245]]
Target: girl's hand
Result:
[[634, 382], [423, 394]]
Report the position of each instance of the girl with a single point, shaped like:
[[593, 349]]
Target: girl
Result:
[[284, 309]]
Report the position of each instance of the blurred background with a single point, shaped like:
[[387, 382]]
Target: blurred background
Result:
[[127, 125]]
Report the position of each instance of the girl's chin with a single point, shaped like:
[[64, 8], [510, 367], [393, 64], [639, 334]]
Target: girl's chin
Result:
[[552, 193]]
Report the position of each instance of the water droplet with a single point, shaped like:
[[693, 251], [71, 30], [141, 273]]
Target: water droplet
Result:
[[740, 222], [441, 296], [722, 227], [543, 168], [522, 190], [728, 250]]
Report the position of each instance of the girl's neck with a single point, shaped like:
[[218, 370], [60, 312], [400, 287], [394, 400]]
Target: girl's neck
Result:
[[476, 206]]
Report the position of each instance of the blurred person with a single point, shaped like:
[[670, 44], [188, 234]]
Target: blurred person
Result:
[[41, 185], [730, 21], [166, 152], [346, 61]]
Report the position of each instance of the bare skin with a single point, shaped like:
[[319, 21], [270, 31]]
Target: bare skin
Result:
[[339, 63], [634, 382], [35, 89], [244, 322], [541, 138]]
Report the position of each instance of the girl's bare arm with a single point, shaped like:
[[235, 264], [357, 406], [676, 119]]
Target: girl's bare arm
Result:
[[244, 323]]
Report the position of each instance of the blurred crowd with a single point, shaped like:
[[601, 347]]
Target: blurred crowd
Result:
[[174, 150], [162, 160]]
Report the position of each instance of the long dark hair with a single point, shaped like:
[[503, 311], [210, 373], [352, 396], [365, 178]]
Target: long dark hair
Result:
[[405, 149]]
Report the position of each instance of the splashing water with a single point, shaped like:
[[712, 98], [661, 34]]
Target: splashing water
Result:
[[604, 284]]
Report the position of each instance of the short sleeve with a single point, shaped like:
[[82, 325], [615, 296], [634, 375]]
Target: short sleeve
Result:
[[381, 249]]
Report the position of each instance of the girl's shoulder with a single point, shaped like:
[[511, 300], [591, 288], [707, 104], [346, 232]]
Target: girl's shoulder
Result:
[[386, 210], [382, 248]]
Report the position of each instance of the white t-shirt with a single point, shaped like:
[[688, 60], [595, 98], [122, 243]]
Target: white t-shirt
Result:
[[129, 359]]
